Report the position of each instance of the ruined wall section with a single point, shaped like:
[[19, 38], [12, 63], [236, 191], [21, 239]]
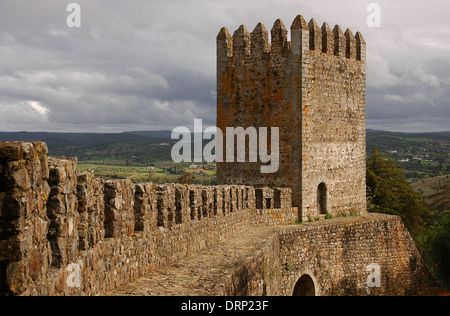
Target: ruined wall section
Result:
[[64, 232], [333, 118]]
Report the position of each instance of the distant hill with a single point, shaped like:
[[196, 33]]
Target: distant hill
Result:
[[375, 131], [130, 148], [422, 155], [84, 138], [436, 191], [155, 134]]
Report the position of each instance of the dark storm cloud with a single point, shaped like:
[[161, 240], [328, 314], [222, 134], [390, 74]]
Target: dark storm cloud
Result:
[[151, 64], [122, 68]]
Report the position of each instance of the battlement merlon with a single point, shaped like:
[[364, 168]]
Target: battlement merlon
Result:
[[247, 48]]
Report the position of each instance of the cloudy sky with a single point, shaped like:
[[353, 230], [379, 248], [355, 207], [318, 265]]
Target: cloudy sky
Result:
[[151, 65]]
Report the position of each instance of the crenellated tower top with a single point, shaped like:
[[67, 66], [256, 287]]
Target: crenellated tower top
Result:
[[244, 46]]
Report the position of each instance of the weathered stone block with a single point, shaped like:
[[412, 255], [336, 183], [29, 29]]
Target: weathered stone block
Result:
[[10, 249], [208, 202], [182, 202], [264, 198], [62, 210], [91, 207], [251, 198], [218, 201], [119, 208], [16, 203], [11, 151], [15, 278], [195, 202], [15, 174], [226, 194]]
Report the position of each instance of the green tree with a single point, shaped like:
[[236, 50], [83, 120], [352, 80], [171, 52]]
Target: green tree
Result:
[[186, 178], [151, 173], [389, 192], [436, 244], [176, 169]]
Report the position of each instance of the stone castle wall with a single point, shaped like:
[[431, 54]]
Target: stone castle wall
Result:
[[64, 232], [68, 233], [333, 118], [313, 89], [336, 255]]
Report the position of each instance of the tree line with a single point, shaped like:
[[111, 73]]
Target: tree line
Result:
[[389, 192]]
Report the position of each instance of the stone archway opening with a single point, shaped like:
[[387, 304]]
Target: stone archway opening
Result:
[[305, 287], [322, 199]]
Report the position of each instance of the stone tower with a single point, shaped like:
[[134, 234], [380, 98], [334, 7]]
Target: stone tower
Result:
[[314, 89]]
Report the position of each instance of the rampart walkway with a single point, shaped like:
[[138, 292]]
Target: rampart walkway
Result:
[[204, 274]]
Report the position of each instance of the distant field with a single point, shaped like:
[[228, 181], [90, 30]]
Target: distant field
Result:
[[141, 174], [207, 172], [415, 139], [436, 191], [118, 172], [422, 155]]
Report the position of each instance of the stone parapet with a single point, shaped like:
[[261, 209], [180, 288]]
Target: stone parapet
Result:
[[64, 232]]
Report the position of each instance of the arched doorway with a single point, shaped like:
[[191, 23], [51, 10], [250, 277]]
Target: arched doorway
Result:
[[305, 287], [322, 199]]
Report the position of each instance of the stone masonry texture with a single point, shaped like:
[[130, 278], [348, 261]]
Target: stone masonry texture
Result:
[[313, 88], [56, 221], [270, 261]]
